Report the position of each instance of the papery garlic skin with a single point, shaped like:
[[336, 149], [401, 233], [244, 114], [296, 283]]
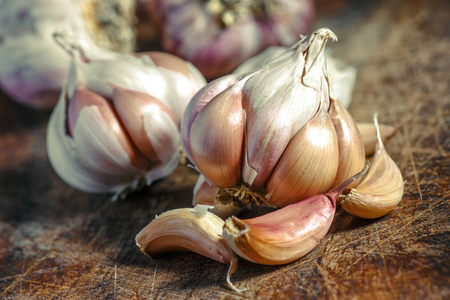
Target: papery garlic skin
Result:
[[217, 35], [342, 76], [32, 66], [114, 127], [269, 134]]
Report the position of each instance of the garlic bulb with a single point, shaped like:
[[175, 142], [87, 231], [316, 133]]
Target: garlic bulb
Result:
[[116, 125], [217, 35], [32, 66], [342, 77], [274, 136]]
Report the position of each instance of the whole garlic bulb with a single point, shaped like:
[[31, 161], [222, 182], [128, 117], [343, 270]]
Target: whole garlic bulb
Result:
[[217, 35], [32, 66], [116, 125], [274, 136]]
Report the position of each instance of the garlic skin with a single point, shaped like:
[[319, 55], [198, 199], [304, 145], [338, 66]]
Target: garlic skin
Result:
[[32, 66], [256, 134], [115, 127], [342, 77], [195, 229], [217, 35], [380, 191]]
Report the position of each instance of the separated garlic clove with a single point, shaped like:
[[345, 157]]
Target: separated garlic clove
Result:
[[369, 135], [287, 234], [351, 147], [380, 191], [308, 165], [195, 229]]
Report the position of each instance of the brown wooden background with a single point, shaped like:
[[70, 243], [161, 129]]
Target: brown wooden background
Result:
[[57, 242]]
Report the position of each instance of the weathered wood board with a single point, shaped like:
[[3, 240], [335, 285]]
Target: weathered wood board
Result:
[[57, 242]]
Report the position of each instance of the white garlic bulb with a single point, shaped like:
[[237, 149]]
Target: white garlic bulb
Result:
[[116, 125]]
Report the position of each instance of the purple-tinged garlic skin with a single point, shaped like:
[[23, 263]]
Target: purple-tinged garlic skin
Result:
[[115, 127], [274, 134], [217, 35]]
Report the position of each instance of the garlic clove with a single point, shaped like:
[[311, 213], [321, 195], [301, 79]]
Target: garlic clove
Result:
[[369, 135], [351, 148], [274, 95], [204, 193], [286, 234], [221, 122], [194, 229], [68, 164], [380, 191], [149, 122], [198, 102], [98, 135], [308, 165]]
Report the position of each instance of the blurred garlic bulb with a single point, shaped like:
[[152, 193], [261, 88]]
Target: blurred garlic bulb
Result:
[[217, 35], [116, 125], [274, 136], [32, 66], [342, 77]]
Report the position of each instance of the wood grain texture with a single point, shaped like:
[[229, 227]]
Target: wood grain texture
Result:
[[60, 243]]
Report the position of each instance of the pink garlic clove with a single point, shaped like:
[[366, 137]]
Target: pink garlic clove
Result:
[[134, 108]]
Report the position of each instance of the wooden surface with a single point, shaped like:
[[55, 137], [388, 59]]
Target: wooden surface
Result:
[[57, 242]]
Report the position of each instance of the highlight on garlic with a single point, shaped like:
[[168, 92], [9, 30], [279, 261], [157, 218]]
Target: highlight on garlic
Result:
[[217, 35], [116, 125], [257, 134], [380, 191], [342, 77], [195, 229], [32, 66]]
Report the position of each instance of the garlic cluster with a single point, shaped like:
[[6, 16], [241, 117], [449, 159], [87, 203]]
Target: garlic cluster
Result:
[[278, 137], [116, 125], [217, 35], [32, 66], [275, 135]]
